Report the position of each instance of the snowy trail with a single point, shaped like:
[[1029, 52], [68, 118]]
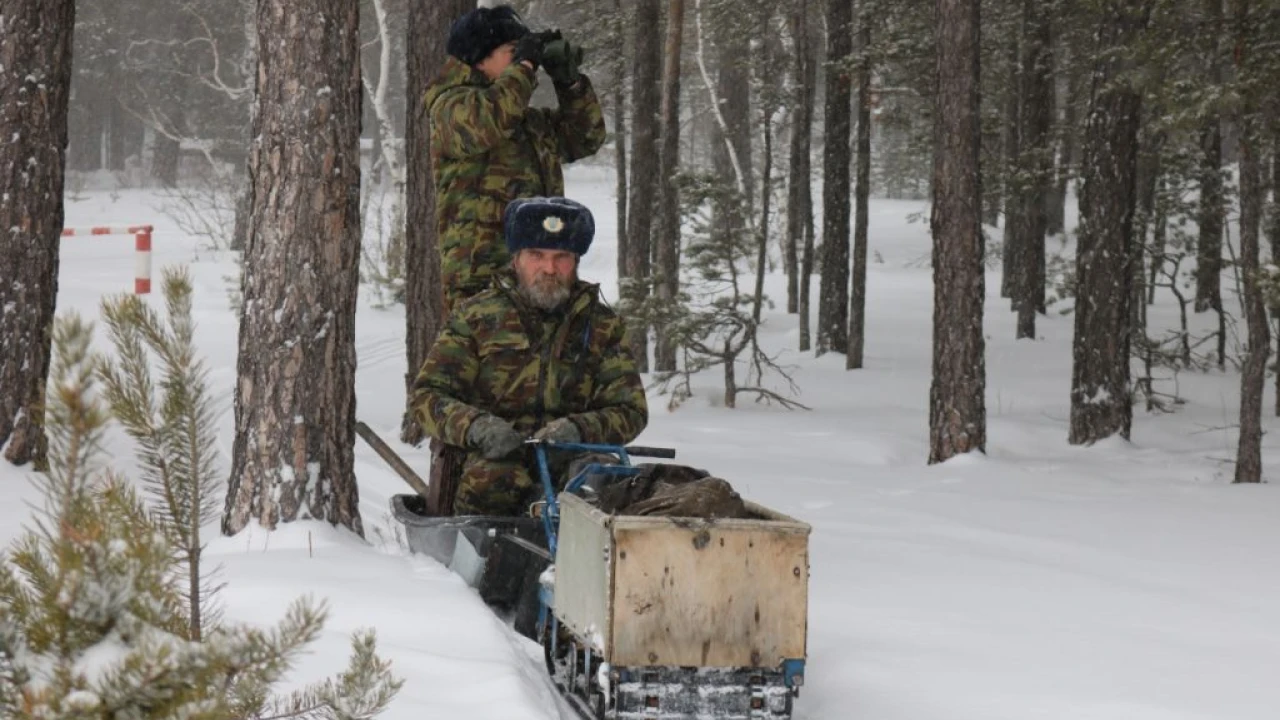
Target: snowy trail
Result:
[[1124, 581]]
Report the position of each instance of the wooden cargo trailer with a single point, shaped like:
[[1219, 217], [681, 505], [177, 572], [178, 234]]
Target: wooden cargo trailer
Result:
[[659, 591]]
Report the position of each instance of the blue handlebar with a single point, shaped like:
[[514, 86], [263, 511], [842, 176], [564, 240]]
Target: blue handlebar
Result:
[[551, 513]]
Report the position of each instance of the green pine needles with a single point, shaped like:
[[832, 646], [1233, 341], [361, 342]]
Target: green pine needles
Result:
[[102, 601], [174, 432]]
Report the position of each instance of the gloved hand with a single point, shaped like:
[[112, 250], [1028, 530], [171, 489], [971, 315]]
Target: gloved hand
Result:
[[493, 437], [562, 430], [529, 49], [561, 59]]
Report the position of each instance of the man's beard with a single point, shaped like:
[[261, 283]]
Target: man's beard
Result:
[[546, 292]]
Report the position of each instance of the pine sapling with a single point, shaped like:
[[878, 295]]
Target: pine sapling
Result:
[[96, 617]]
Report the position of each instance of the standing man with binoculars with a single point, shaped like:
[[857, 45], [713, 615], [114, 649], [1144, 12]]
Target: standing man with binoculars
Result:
[[488, 147]]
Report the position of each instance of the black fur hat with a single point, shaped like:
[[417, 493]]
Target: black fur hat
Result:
[[476, 34], [548, 223]]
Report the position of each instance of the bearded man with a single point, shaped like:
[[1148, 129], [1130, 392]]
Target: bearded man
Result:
[[537, 355]]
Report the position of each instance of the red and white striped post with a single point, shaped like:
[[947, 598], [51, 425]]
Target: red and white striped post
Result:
[[141, 247]]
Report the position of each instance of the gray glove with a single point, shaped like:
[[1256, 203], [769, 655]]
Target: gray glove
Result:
[[562, 430], [493, 437]]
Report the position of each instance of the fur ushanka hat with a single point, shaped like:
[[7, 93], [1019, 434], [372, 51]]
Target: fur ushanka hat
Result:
[[548, 223], [478, 33]]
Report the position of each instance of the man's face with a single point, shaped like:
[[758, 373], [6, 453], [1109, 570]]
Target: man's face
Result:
[[497, 61], [546, 276]]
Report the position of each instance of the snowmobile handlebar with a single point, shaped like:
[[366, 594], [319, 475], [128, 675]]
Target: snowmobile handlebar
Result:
[[630, 450]]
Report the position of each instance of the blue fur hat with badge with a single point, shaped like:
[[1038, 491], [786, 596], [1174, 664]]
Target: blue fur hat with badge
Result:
[[548, 223]]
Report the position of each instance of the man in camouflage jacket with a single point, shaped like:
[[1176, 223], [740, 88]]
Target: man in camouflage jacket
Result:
[[537, 355], [489, 147]]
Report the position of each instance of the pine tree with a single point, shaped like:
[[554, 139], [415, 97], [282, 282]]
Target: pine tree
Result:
[[35, 78], [93, 623], [833, 289], [714, 319], [957, 410], [294, 447], [175, 432], [1101, 405]]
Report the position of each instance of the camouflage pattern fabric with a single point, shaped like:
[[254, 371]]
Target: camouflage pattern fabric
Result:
[[499, 355], [489, 147]]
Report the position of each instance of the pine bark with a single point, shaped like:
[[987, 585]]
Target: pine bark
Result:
[[620, 135], [733, 89], [861, 197], [1066, 145], [957, 409], [1254, 369], [1273, 223], [1212, 214], [1036, 121], [799, 161], [733, 93], [295, 397], [1010, 262], [667, 238], [1100, 402], [833, 288], [804, 194], [645, 101], [35, 84], [428, 32]]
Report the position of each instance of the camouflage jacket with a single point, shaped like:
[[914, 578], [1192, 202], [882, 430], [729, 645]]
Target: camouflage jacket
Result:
[[489, 147], [499, 355]]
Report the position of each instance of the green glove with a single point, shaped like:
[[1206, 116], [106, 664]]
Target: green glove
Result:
[[493, 437], [562, 430], [561, 59]]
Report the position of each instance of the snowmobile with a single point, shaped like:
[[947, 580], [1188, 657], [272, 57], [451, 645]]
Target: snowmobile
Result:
[[668, 618]]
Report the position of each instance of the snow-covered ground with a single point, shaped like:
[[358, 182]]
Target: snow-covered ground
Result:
[[1125, 581]]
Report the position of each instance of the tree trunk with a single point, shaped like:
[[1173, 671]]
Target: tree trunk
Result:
[[799, 162], [620, 138], [1100, 402], [957, 409], [295, 399], [1034, 143], [166, 151], [427, 34], [833, 289], [1009, 257], [1150, 169], [242, 223], [1253, 372], [766, 192], [805, 194], [1212, 216], [667, 245], [1273, 224], [862, 193], [645, 100], [35, 85], [1159, 236], [84, 124], [733, 93], [1056, 222]]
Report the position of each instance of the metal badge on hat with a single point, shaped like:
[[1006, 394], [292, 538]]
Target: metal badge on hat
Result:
[[552, 224]]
